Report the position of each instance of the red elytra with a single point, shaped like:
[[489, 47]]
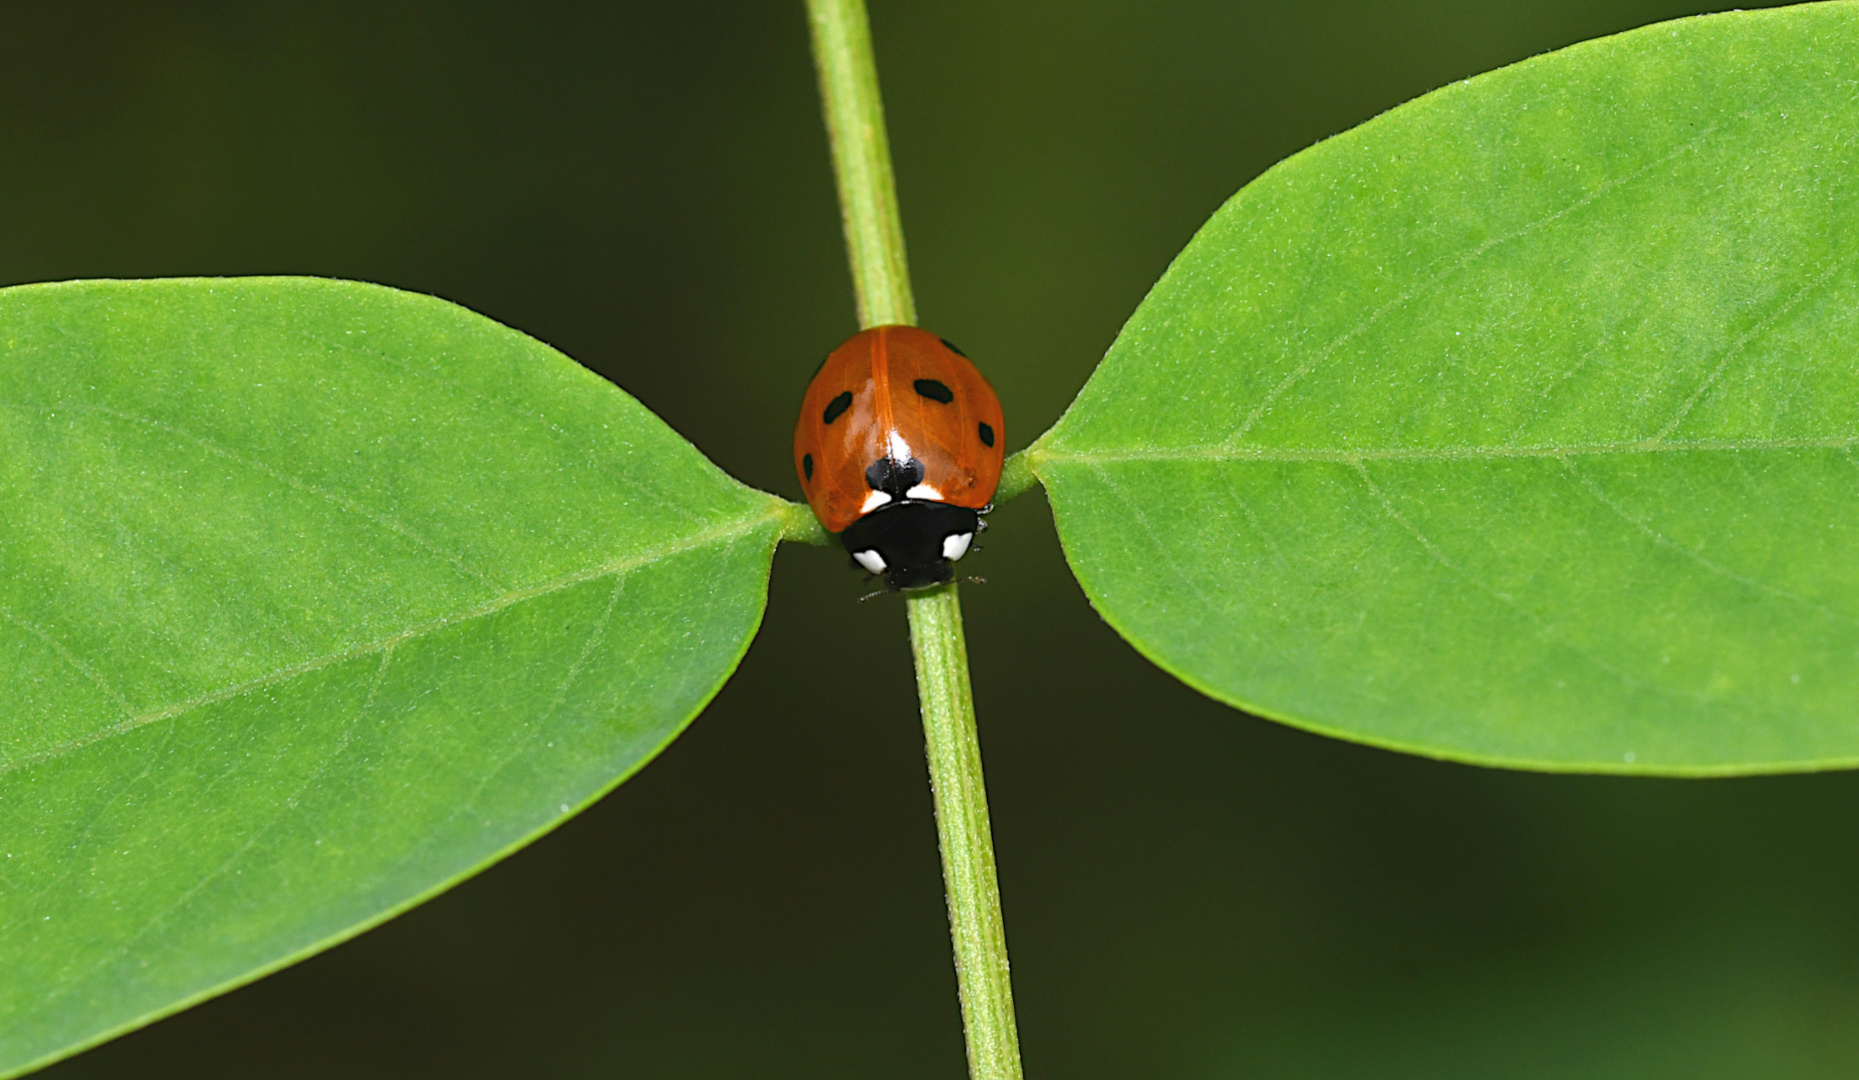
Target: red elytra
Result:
[[899, 444]]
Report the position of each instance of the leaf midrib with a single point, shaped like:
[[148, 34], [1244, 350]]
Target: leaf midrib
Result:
[[1040, 455], [613, 567]]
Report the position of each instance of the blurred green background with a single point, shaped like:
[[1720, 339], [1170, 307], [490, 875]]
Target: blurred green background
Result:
[[1191, 892]]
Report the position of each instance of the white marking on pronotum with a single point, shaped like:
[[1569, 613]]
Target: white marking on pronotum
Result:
[[955, 545], [924, 491], [873, 501], [899, 449], [870, 560]]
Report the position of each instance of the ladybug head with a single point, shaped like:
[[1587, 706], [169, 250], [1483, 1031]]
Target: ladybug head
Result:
[[913, 544]]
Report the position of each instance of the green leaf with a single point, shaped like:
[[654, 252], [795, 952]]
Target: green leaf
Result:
[[316, 598], [1516, 425]]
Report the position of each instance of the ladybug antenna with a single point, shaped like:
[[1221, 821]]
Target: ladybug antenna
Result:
[[869, 595], [976, 580]]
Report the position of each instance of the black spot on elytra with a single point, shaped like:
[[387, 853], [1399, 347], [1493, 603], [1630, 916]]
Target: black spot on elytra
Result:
[[950, 345], [806, 465], [934, 390], [987, 435], [894, 478], [837, 406]]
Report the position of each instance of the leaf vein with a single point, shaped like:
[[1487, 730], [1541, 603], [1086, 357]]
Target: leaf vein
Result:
[[70, 658], [1763, 326], [1432, 280], [1548, 632], [385, 521], [71, 984], [596, 635], [621, 566], [1659, 538], [1445, 453]]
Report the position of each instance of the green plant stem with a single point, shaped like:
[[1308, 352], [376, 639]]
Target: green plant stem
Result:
[[967, 840], [861, 162], [1016, 476], [881, 280]]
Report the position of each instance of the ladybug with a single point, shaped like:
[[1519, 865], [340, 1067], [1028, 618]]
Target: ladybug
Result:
[[899, 449]]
